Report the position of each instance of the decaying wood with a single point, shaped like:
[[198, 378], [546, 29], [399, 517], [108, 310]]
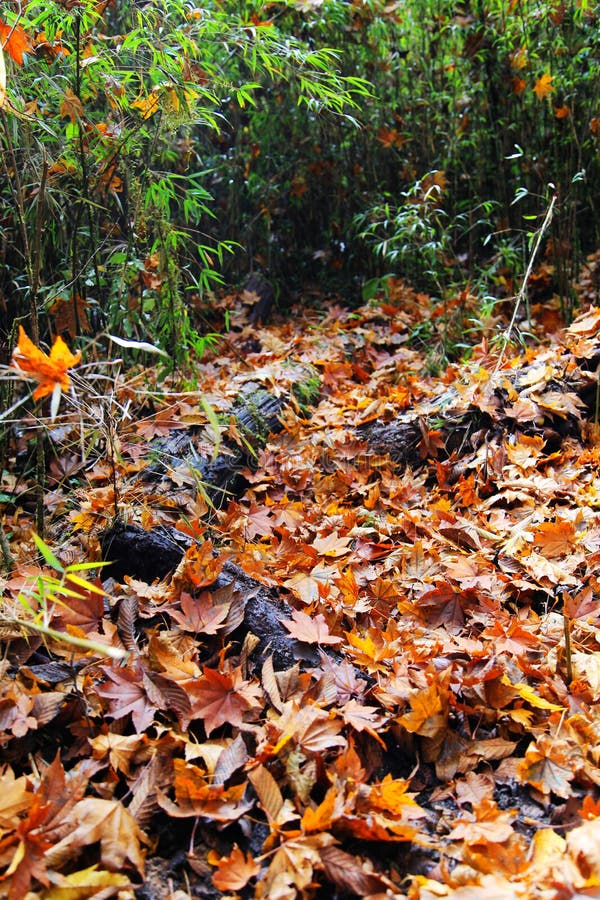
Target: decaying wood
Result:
[[154, 554], [259, 296], [494, 413], [255, 415]]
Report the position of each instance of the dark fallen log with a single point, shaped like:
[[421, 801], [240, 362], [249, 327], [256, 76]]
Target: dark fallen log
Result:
[[154, 554], [254, 416], [553, 406], [146, 555]]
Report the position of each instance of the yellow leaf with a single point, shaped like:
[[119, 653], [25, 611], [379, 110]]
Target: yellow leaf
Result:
[[86, 884], [146, 105], [522, 716], [527, 693]]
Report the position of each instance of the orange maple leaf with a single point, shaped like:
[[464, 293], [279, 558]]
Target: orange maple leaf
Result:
[[49, 371], [199, 568], [486, 824], [554, 538], [590, 808], [256, 22], [235, 871], [428, 714], [391, 796], [219, 698], [15, 41], [543, 86], [195, 796], [390, 137]]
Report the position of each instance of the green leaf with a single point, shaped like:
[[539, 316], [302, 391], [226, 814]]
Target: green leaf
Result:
[[214, 423], [47, 553]]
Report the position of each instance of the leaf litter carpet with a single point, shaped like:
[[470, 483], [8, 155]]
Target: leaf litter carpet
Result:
[[439, 733]]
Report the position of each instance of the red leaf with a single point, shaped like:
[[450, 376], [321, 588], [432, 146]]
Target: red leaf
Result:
[[127, 695], [218, 698]]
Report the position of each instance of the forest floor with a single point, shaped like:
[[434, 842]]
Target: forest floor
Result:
[[425, 722]]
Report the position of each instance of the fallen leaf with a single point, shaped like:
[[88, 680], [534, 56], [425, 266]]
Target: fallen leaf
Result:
[[234, 871], [218, 698], [108, 823], [199, 615], [310, 629]]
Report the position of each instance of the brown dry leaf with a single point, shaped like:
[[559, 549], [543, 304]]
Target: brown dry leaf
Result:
[[309, 585], [127, 693], [71, 106], [363, 718], [267, 790], [314, 730], [547, 766], [107, 822], [82, 605], [122, 750], [174, 655], [378, 827], [332, 545], [561, 403], [292, 866], [474, 788], [350, 875], [486, 825], [587, 323]]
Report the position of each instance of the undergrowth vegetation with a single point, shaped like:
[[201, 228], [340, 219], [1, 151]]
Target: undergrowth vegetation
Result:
[[151, 152], [315, 595]]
